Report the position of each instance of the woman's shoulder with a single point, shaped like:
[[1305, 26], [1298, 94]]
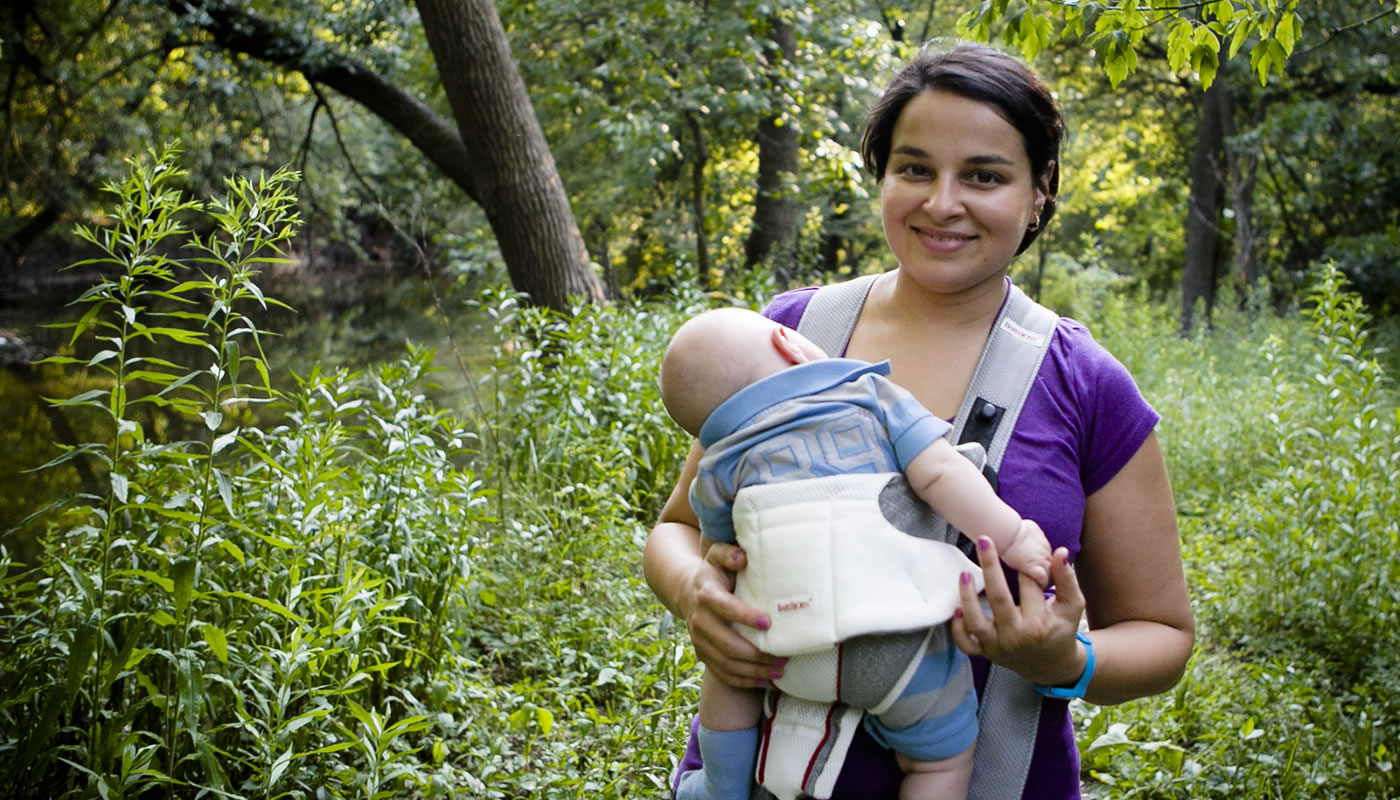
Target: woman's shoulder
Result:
[[787, 307], [1084, 361], [1084, 388]]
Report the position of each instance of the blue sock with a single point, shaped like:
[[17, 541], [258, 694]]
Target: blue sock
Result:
[[726, 773]]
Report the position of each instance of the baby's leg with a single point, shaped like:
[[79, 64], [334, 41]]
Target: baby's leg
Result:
[[728, 742], [936, 780], [727, 708]]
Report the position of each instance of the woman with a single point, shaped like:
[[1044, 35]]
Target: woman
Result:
[[965, 145]]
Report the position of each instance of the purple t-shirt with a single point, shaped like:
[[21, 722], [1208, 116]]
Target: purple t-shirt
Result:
[[1082, 421]]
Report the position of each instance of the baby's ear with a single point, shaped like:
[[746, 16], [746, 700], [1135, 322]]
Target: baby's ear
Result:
[[787, 347]]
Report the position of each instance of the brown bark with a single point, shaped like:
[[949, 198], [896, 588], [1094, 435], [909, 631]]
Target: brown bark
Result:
[[697, 196], [775, 213], [1243, 169], [1203, 208], [510, 165]]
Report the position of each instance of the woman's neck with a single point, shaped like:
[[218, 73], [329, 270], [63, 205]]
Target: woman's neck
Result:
[[933, 341], [909, 304]]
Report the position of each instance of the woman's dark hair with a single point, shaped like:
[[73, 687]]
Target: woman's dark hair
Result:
[[987, 75]]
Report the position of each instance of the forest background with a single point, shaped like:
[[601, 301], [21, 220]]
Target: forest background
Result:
[[386, 541]]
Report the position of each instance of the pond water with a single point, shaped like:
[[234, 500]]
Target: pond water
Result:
[[340, 320]]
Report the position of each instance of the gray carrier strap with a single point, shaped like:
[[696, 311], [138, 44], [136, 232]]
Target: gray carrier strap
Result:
[[832, 312], [1009, 709]]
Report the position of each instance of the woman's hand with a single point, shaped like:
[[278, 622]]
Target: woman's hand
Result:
[[1034, 639], [697, 584], [711, 611]]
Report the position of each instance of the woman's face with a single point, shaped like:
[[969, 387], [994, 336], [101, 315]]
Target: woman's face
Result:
[[958, 192]]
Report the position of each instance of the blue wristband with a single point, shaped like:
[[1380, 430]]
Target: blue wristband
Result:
[[1078, 689]]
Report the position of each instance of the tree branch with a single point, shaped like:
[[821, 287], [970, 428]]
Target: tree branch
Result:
[[235, 29]]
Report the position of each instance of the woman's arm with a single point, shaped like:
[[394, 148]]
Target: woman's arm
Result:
[[1128, 577], [1130, 569], [697, 586]]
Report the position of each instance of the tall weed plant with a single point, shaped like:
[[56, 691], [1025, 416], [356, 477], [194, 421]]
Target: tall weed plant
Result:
[[1281, 438], [258, 610]]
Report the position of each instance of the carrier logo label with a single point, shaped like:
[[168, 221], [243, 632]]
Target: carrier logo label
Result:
[[794, 604], [1029, 337]]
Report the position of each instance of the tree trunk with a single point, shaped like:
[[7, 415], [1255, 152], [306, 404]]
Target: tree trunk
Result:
[[697, 197], [510, 166], [1203, 206], [1243, 168], [775, 212], [504, 166]]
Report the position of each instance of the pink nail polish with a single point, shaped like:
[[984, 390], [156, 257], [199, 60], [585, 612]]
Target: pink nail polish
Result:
[[957, 613], [983, 543], [965, 578], [763, 623], [775, 674]]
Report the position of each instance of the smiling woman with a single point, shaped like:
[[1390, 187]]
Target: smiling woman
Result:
[[965, 143]]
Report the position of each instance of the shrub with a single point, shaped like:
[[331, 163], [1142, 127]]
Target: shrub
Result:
[[250, 610]]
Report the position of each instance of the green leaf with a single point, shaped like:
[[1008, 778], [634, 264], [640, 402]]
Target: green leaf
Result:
[[190, 680], [225, 491], [1179, 44], [545, 719], [162, 618], [101, 356], [182, 575], [1287, 33], [233, 550], [232, 360], [223, 441], [330, 748], [276, 608], [217, 641], [85, 398], [79, 656], [278, 767], [159, 580], [120, 487], [213, 769]]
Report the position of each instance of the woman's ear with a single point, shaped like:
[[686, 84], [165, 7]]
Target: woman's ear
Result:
[[787, 347], [1042, 185]]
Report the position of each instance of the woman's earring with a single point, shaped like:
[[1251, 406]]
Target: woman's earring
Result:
[[1034, 226]]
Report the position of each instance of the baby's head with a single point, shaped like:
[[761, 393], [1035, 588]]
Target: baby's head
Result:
[[717, 353]]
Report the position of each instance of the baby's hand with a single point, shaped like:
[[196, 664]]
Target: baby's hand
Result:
[[1029, 554]]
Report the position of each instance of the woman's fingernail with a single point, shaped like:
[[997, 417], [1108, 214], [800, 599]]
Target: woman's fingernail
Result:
[[983, 543], [781, 662], [763, 623], [957, 613], [965, 578], [775, 674]]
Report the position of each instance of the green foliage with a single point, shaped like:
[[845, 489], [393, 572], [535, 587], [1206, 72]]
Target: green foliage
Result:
[[231, 612], [349, 594], [1198, 34], [337, 589], [1281, 435]]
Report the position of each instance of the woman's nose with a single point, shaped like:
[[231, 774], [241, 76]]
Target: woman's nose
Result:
[[944, 198]]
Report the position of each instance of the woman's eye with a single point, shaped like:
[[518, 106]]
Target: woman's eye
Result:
[[985, 178], [914, 171]]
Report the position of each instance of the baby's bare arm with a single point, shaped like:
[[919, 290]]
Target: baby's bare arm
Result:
[[956, 489]]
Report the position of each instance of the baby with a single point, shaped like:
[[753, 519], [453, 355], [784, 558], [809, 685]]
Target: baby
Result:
[[768, 405]]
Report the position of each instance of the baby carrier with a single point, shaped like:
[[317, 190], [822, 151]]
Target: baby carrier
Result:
[[805, 742]]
